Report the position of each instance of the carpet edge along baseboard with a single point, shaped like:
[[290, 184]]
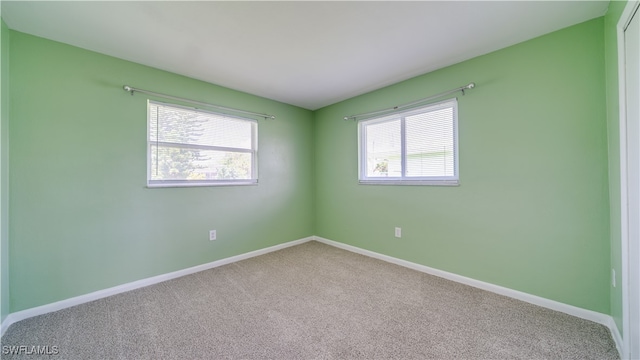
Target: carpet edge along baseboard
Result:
[[590, 315]]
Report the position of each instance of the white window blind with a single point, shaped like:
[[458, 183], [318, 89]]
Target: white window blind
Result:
[[416, 147], [191, 147]]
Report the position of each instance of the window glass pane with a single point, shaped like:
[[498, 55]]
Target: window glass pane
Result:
[[429, 143], [383, 149], [184, 126], [176, 163], [194, 147], [415, 147]]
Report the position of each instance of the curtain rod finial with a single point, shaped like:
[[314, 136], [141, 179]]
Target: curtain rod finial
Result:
[[471, 85], [127, 88]]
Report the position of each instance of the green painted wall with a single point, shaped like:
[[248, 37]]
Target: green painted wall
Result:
[[613, 131], [532, 210], [531, 213], [81, 217], [4, 170]]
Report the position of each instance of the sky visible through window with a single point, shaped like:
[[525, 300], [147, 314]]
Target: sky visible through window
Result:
[[192, 145], [426, 138]]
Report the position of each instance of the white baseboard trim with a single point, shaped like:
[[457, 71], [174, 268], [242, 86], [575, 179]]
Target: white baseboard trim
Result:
[[596, 317], [599, 318], [615, 334], [4, 325], [63, 304]]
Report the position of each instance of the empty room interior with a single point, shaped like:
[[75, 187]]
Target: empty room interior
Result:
[[333, 180]]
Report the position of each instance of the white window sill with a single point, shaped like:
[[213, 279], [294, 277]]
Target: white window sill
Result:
[[200, 184], [411, 182]]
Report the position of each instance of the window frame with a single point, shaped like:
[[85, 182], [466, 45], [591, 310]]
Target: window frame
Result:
[[403, 179], [207, 182]]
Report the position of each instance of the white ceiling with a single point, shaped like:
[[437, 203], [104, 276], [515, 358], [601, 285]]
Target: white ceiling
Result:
[[309, 54]]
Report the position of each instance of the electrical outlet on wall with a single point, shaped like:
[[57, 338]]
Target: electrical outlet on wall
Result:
[[398, 232], [212, 235]]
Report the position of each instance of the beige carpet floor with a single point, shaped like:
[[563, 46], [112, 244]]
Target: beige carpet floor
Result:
[[311, 301]]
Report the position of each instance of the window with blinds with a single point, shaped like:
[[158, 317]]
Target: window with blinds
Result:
[[416, 147], [192, 147]]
